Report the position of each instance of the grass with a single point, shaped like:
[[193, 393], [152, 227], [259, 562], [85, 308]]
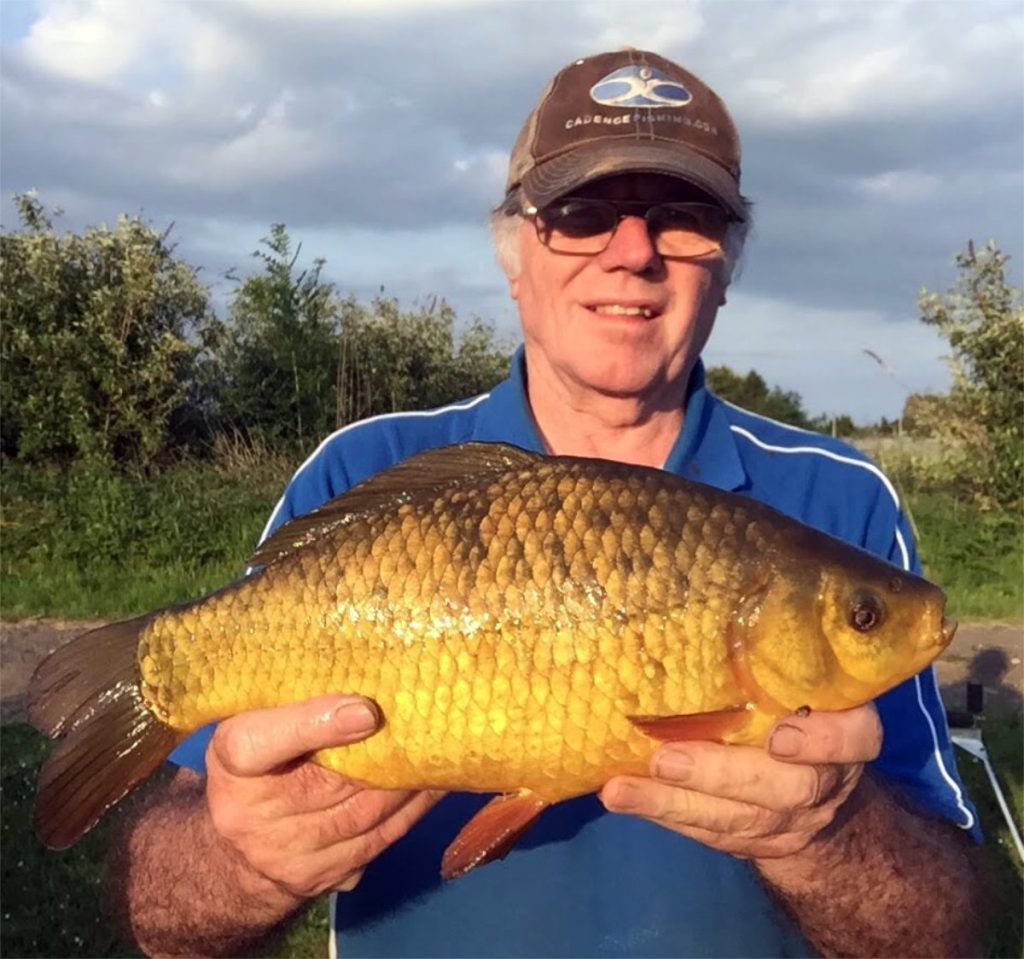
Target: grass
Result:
[[976, 555], [1002, 734], [51, 900], [92, 543]]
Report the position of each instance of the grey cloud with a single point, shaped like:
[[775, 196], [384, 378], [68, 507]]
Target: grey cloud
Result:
[[385, 105], [393, 103]]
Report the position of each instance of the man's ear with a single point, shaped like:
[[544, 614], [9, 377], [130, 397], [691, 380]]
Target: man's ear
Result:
[[513, 286], [723, 300]]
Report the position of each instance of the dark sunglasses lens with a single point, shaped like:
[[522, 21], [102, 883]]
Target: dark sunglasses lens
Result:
[[687, 230], [676, 219], [578, 220], [586, 226]]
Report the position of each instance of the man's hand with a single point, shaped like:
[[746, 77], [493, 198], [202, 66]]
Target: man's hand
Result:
[[753, 802], [213, 865], [300, 826]]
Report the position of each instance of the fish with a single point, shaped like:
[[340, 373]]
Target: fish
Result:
[[527, 625]]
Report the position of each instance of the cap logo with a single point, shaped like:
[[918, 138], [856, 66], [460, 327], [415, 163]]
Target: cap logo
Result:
[[637, 86]]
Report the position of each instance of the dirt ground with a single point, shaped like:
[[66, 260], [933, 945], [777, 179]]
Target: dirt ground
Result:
[[988, 654]]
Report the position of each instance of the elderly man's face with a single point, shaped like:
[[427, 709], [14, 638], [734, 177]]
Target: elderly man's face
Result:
[[571, 306]]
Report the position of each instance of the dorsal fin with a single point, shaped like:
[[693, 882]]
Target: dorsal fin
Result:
[[421, 475]]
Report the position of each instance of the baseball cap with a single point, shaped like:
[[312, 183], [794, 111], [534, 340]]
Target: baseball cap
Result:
[[630, 111]]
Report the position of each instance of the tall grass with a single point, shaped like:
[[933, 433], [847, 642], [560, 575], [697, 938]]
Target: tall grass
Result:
[[1002, 734], [976, 555], [53, 903], [91, 541]]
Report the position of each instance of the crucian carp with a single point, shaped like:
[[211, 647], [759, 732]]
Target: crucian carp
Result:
[[528, 625]]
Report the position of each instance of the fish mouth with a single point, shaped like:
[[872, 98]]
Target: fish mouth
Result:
[[948, 629]]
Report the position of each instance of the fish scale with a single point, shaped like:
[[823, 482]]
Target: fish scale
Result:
[[527, 625], [393, 624]]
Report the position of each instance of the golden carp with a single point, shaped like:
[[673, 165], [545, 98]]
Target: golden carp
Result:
[[528, 625]]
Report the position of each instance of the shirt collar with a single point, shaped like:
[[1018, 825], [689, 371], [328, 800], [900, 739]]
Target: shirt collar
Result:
[[705, 449], [506, 416]]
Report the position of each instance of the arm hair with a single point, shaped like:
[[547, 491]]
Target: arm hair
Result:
[[178, 888], [884, 880]]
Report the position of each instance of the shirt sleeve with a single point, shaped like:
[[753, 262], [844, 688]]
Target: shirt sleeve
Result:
[[917, 754]]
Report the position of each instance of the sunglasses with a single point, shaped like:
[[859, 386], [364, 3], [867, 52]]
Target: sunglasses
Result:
[[584, 227]]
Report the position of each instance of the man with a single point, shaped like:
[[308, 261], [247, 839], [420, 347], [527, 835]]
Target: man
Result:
[[618, 233]]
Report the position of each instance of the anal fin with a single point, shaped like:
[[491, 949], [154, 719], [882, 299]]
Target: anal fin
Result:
[[713, 726], [492, 832]]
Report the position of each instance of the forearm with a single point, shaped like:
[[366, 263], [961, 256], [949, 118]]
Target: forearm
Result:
[[180, 888], [882, 880]]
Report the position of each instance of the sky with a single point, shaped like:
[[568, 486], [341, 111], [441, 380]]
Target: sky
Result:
[[878, 138]]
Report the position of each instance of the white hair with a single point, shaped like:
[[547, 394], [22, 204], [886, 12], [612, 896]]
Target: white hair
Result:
[[507, 218]]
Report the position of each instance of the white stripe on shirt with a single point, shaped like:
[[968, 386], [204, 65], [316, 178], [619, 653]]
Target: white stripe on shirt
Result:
[[468, 404]]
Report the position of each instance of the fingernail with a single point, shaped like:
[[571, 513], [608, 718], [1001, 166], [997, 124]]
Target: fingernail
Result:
[[619, 796], [673, 765], [356, 719], [786, 741]]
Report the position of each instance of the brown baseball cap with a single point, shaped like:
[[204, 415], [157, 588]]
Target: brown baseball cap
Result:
[[630, 111]]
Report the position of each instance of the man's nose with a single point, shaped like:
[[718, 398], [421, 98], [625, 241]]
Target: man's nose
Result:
[[630, 247]]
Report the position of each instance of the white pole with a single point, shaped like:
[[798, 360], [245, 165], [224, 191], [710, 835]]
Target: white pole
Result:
[[970, 740]]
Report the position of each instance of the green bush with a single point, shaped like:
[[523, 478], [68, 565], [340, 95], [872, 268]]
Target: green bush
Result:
[[296, 361], [393, 359], [982, 318], [99, 342], [278, 357]]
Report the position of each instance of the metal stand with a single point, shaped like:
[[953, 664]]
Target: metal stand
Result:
[[968, 737]]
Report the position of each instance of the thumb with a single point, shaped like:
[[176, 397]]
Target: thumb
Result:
[[260, 741]]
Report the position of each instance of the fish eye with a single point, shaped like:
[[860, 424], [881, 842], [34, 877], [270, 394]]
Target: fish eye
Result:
[[866, 612]]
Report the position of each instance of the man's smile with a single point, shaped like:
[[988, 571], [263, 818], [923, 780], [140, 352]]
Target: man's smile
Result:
[[619, 308]]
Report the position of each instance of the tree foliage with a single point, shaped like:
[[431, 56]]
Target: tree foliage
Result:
[[982, 318], [99, 340], [408, 360], [279, 353], [751, 392], [297, 361]]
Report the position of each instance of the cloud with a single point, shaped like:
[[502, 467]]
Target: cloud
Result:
[[275, 147], [89, 42], [820, 353], [877, 138], [900, 186], [650, 29], [871, 60]]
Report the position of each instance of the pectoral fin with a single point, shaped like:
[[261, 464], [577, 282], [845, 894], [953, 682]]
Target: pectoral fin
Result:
[[491, 833], [713, 726]]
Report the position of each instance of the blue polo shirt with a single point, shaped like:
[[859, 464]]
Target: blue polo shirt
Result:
[[584, 882]]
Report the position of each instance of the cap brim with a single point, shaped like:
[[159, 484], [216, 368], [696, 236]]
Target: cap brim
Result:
[[556, 177]]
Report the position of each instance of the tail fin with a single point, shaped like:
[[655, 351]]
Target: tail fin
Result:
[[88, 693]]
